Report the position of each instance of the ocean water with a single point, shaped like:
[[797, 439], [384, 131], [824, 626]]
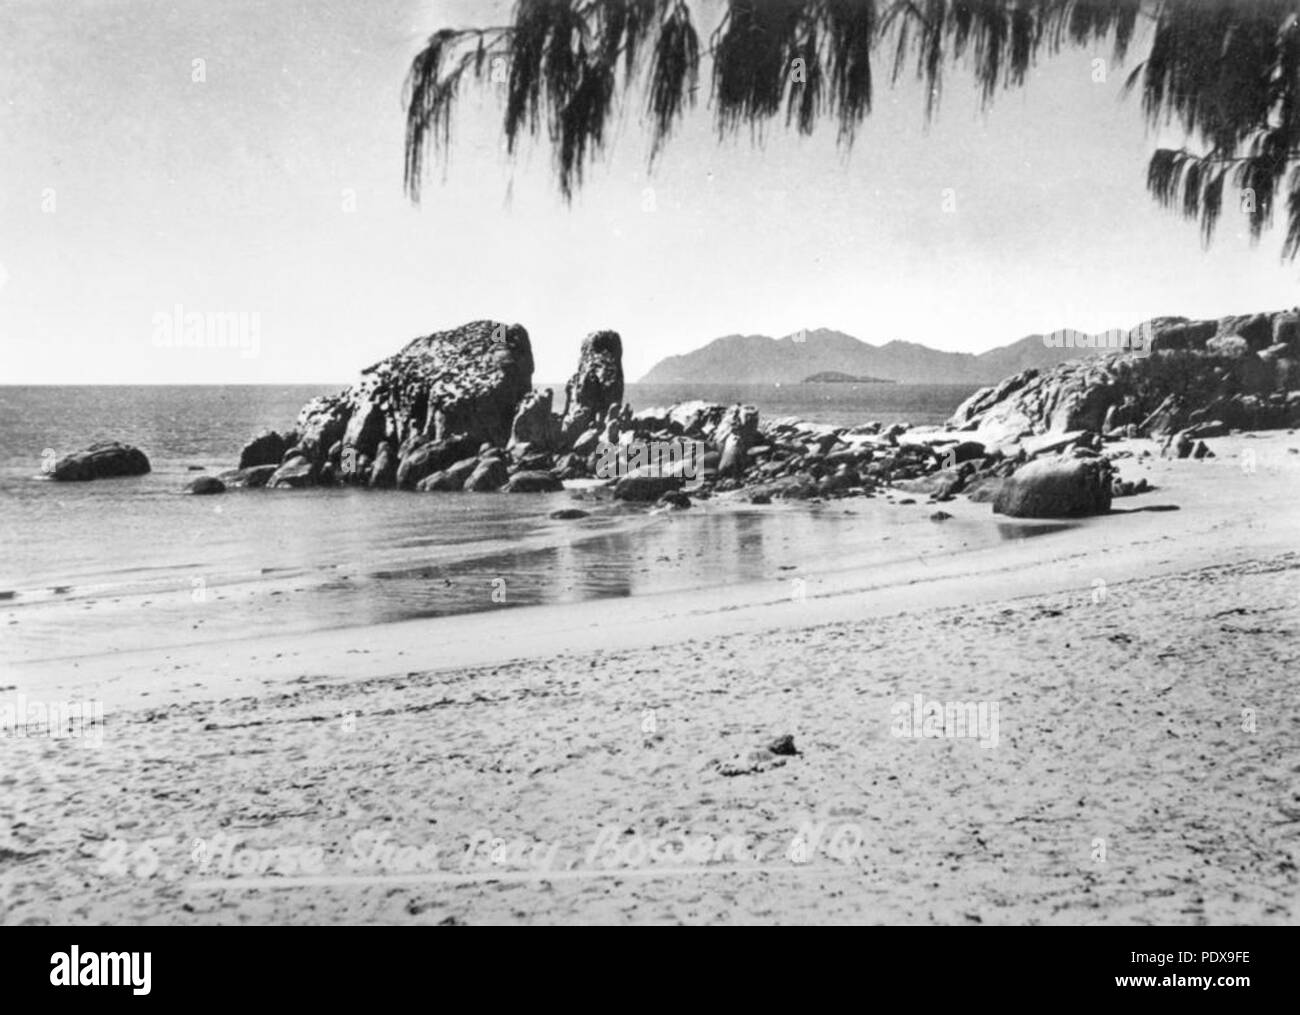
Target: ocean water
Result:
[[837, 404], [113, 565]]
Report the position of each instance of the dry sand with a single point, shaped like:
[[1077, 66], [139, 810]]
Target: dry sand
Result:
[[1146, 767]]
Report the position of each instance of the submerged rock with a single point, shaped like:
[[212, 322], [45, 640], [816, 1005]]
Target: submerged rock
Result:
[[205, 485], [103, 460], [645, 488], [251, 478]]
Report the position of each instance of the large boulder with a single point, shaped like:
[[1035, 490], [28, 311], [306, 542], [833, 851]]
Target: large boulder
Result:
[[1228, 345], [103, 460], [1056, 488], [267, 448], [595, 387], [490, 474]]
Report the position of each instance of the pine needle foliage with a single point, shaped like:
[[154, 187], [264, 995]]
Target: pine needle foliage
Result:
[[1226, 73]]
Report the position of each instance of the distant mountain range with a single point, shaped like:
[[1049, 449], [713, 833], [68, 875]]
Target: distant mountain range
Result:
[[758, 359]]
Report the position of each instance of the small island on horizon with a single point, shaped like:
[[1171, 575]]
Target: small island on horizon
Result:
[[835, 377]]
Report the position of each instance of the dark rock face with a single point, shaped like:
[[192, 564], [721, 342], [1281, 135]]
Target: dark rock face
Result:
[[425, 459], [595, 387], [267, 448], [205, 485], [1238, 370], [490, 474], [449, 479], [534, 424], [1062, 487], [104, 460], [383, 472]]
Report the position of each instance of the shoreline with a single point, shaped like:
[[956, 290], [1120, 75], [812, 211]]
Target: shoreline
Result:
[[1065, 557], [531, 725]]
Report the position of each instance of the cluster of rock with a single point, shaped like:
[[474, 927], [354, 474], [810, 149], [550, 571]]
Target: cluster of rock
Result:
[[454, 410], [1236, 372], [1059, 475]]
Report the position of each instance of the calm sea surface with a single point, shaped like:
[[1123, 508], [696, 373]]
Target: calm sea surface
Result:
[[112, 565]]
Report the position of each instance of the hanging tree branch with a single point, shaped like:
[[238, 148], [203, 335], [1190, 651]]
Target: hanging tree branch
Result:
[[1226, 73]]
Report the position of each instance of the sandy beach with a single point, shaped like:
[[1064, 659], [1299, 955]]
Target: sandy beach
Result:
[[605, 762]]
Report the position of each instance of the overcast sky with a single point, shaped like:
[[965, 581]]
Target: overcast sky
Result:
[[127, 187]]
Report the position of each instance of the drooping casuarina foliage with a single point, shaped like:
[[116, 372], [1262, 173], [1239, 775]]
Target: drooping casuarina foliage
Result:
[[1224, 72]]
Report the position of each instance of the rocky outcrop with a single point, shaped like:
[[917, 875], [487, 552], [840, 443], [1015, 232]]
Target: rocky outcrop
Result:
[[1240, 370], [412, 420], [397, 424], [1059, 487], [103, 460], [595, 388]]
